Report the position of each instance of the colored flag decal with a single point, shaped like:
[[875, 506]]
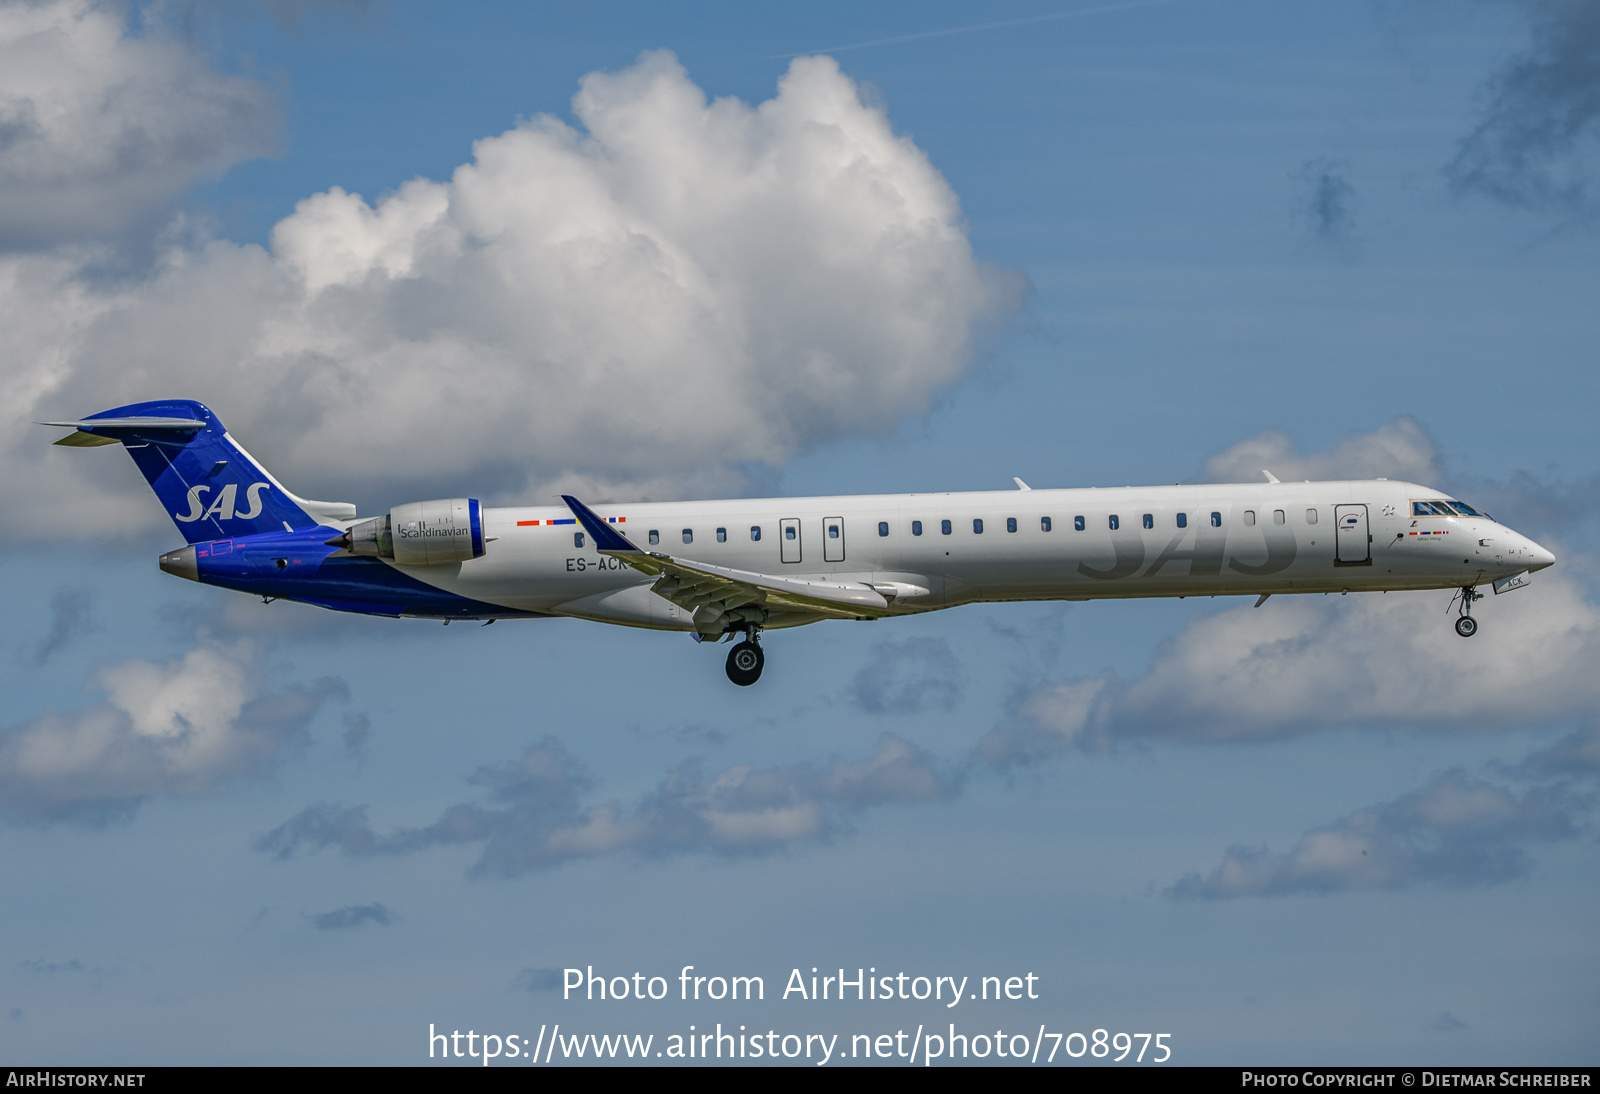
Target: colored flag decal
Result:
[[569, 520]]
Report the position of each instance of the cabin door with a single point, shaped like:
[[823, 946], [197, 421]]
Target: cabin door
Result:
[[833, 539], [1352, 541]]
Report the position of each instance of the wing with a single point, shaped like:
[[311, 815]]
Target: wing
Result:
[[720, 595]]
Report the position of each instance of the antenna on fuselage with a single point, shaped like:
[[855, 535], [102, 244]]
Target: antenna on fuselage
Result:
[[1270, 476]]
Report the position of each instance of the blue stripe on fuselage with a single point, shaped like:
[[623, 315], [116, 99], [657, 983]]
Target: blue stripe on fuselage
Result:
[[318, 574]]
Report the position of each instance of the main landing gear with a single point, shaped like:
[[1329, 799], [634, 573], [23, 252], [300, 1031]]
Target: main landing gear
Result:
[[1466, 626], [746, 660]]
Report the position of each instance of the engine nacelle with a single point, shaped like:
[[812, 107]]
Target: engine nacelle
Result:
[[421, 533]]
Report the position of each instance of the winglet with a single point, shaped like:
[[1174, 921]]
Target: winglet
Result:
[[606, 538], [1270, 476]]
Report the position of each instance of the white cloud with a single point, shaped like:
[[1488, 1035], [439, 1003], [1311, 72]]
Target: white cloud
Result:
[[1300, 664], [1575, 754], [1534, 145], [100, 131], [909, 677], [72, 617], [534, 818], [353, 915], [1047, 718], [1400, 449], [649, 305], [1457, 832], [1374, 658], [165, 727]]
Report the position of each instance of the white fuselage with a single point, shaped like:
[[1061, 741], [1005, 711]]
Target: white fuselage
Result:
[[1079, 544]]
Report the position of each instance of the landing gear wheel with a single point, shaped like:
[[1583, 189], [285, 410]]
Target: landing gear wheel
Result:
[[745, 662], [1466, 626]]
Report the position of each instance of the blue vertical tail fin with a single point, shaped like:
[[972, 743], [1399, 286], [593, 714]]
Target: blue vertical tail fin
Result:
[[211, 487]]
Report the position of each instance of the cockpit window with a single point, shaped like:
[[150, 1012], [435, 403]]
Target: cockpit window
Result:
[[1439, 507], [1431, 509]]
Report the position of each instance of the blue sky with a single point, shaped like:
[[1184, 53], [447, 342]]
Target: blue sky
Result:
[[1167, 242]]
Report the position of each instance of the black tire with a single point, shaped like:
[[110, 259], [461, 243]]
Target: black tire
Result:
[[1466, 626], [745, 662]]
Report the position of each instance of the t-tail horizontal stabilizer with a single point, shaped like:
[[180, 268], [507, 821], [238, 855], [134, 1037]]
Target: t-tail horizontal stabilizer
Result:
[[211, 487]]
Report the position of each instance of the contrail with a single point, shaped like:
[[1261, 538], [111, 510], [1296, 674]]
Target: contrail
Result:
[[977, 27]]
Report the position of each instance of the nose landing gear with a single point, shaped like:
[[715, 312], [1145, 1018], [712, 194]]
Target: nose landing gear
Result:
[[1466, 626], [745, 660]]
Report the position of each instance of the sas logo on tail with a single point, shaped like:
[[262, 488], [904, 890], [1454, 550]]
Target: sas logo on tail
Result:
[[222, 507]]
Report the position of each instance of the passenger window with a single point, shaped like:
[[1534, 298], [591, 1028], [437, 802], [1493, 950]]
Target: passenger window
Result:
[[1216, 520], [833, 531], [1115, 523], [688, 535], [1077, 524], [944, 527], [655, 537], [1277, 516], [977, 526], [1149, 520], [577, 539], [1249, 518], [883, 527], [788, 533], [1044, 524], [1311, 516], [722, 535], [916, 527], [1011, 524], [755, 533], [1183, 520]]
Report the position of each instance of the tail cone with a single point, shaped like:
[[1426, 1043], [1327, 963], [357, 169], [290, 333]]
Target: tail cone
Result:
[[181, 563]]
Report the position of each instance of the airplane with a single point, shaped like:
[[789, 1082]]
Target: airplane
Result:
[[720, 570]]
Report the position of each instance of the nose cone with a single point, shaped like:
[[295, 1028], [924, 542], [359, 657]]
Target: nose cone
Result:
[[1541, 558], [182, 563]]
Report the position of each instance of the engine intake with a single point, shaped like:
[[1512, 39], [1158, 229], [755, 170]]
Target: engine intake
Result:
[[421, 533]]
